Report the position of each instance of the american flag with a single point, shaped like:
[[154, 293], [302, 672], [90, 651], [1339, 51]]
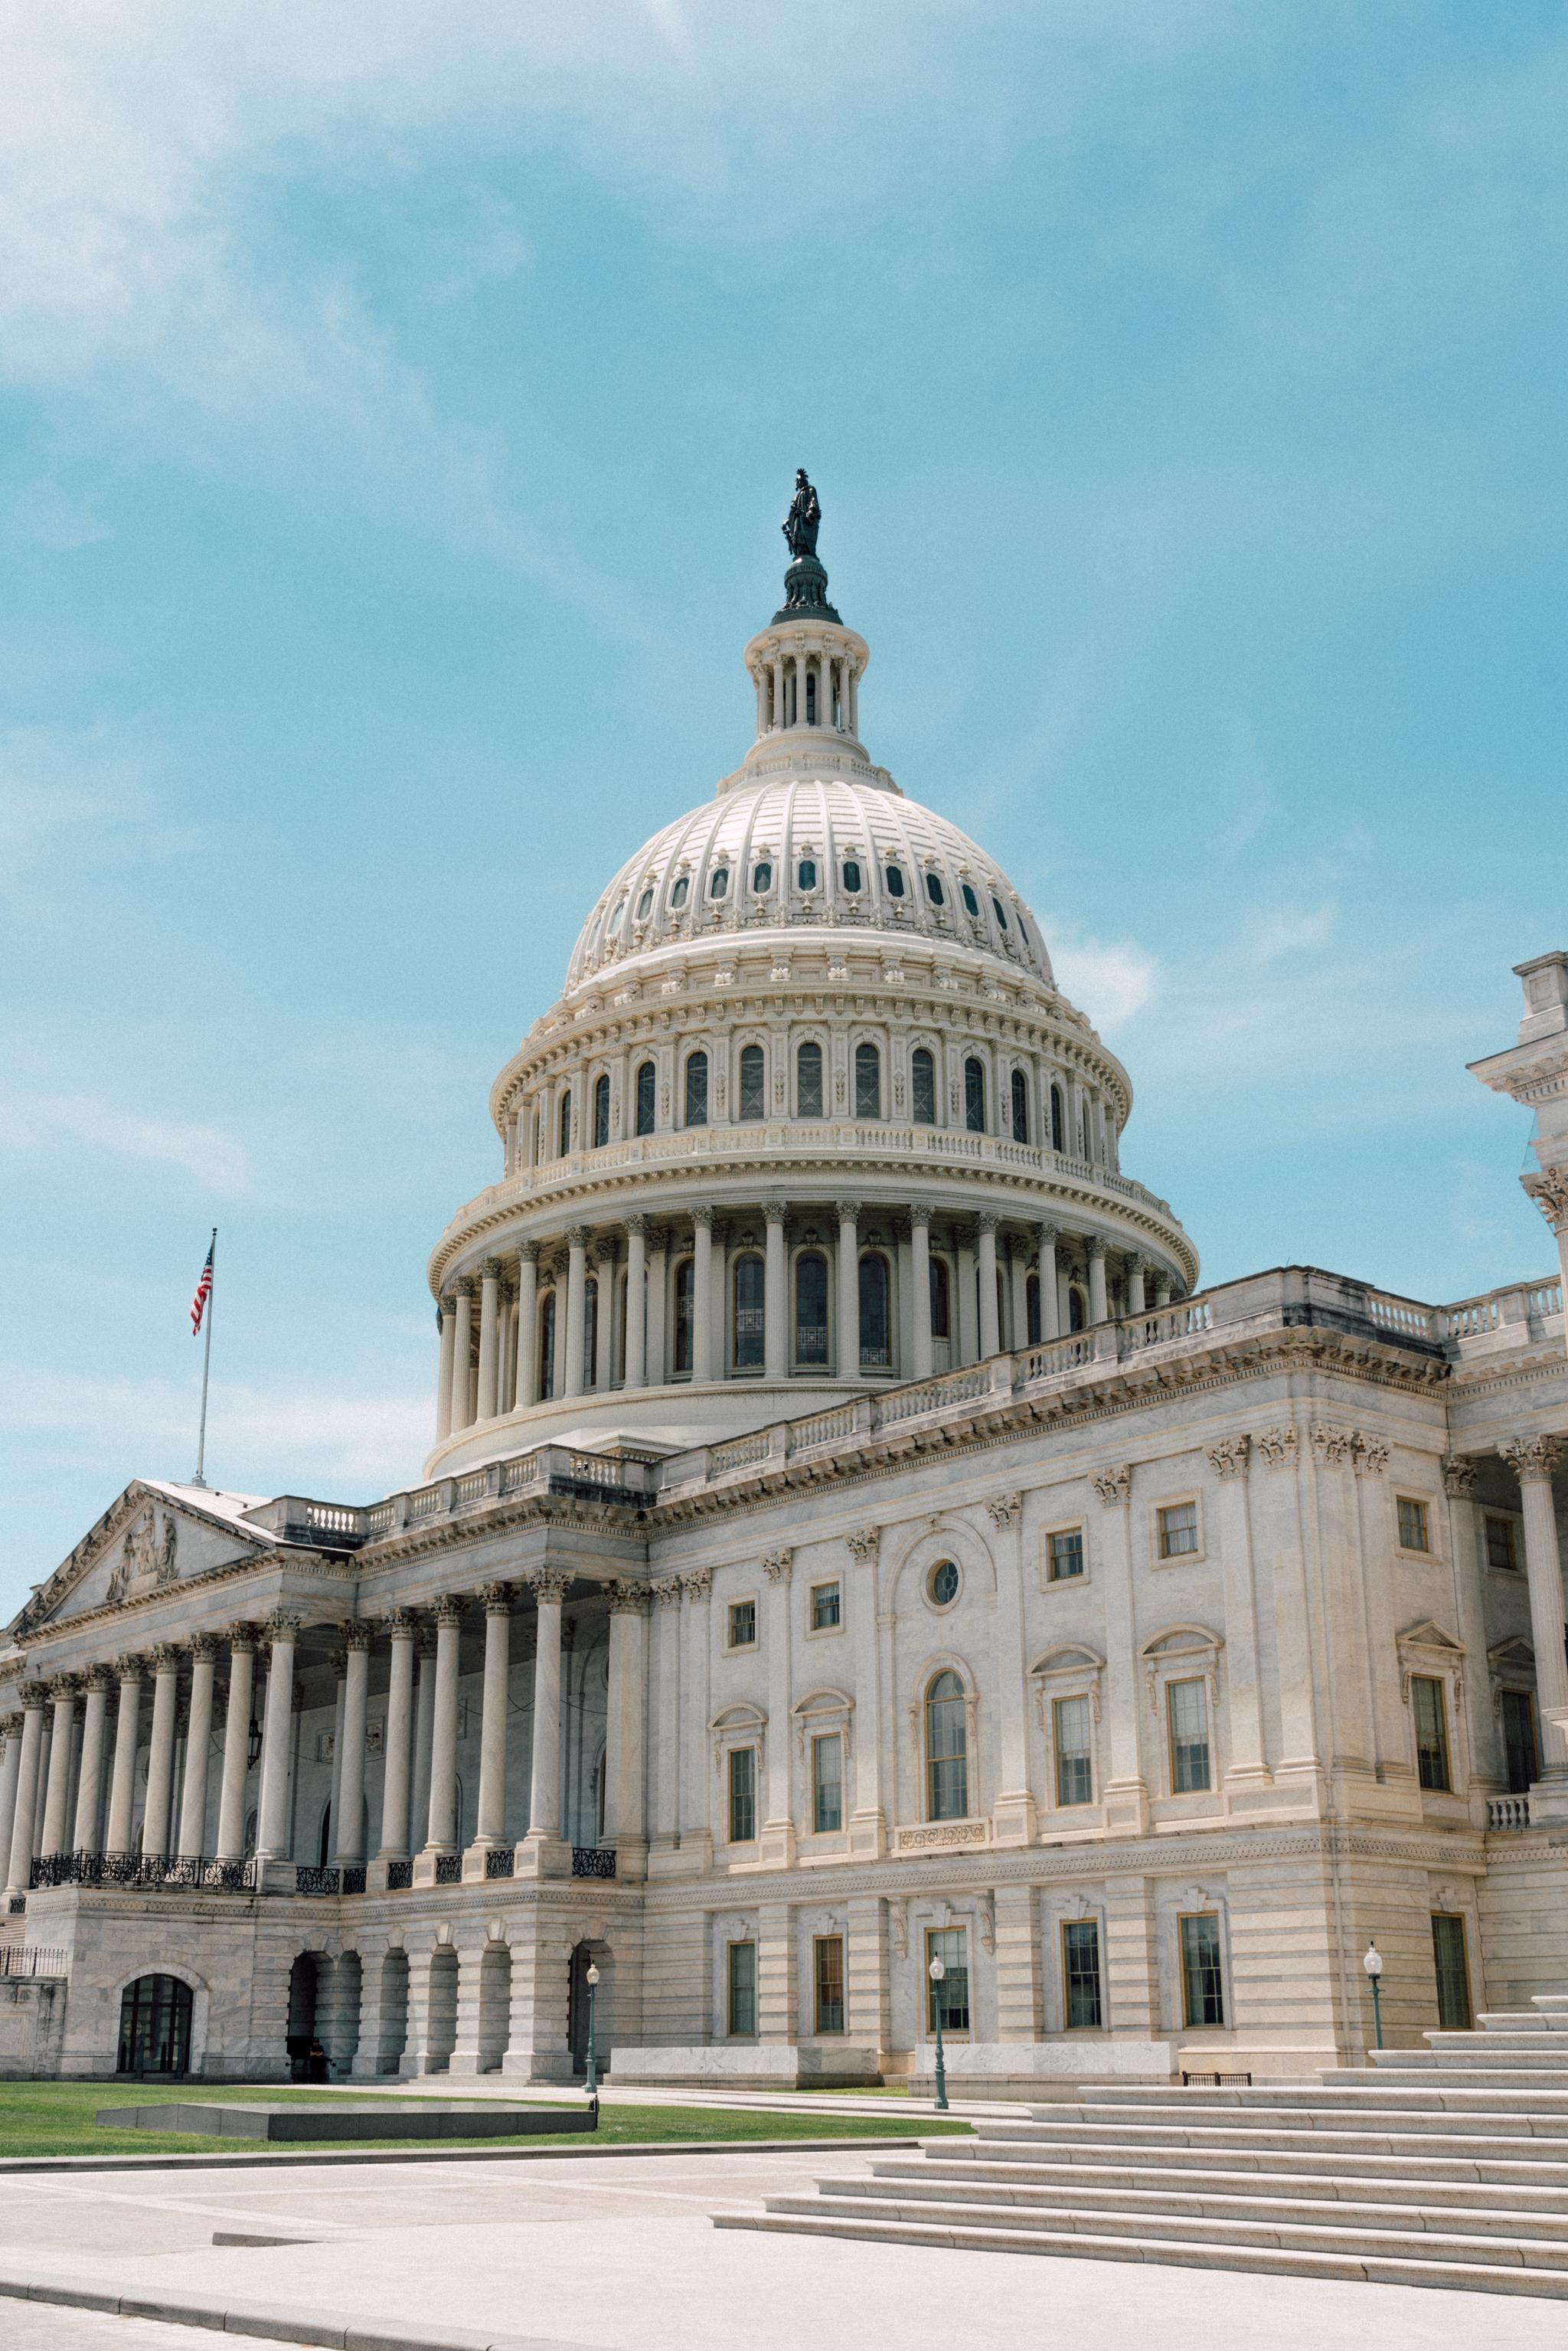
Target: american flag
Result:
[[203, 1291]]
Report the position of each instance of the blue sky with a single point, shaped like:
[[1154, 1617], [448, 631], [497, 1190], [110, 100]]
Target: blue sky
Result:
[[397, 410]]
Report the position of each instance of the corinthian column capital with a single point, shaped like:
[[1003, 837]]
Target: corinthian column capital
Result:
[[1531, 1459]]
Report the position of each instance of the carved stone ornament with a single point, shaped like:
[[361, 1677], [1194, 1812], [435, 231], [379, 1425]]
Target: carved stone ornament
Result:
[[495, 1599], [1371, 1457], [626, 1599], [203, 1644], [777, 1565], [864, 1544], [358, 1633], [1005, 1510], [1531, 1459], [696, 1583], [1332, 1447], [400, 1624], [1459, 1475], [667, 1591], [282, 1626], [1227, 1460], [1114, 1486], [1549, 1191], [1280, 1447], [167, 1572], [548, 1585]]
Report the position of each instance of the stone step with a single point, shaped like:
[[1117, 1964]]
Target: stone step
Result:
[[1346, 2086], [1546, 2052], [1329, 2184], [1321, 2158], [1523, 2020], [1553, 2002], [1374, 2108], [1485, 2143], [1485, 2277]]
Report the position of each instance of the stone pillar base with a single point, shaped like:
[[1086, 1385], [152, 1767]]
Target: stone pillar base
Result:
[[376, 1871], [868, 1835], [273, 1875], [1548, 1801], [776, 1846], [473, 1859], [424, 1863], [631, 1857], [1126, 1807], [541, 1857], [1013, 1820]]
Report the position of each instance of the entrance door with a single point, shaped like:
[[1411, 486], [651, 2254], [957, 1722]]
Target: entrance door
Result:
[[577, 2008], [155, 2026]]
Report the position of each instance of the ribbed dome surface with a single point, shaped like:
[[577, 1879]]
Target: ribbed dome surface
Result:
[[803, 850]]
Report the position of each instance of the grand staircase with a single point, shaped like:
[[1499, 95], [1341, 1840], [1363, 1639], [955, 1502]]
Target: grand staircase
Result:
[[1447, 2165]]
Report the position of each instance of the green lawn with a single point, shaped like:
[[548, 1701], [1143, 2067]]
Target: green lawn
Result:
[[57, 2118]]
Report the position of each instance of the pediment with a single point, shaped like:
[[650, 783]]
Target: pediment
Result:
[[153, 1536], [1428, 1634], [1514, 1656]]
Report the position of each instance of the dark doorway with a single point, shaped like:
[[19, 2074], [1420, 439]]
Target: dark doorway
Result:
[[577, 2008], [155, 2026]]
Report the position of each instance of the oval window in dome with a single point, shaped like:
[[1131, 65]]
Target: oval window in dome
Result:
[[972, 904], [806, 874], [851, 874], [895, 881], [762, 877], [1001, 912], [620, 909], [1023, 926], [719, 884], [682, 890], [934, 889], [645, 905]]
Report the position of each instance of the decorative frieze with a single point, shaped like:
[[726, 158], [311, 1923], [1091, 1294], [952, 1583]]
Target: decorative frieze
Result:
[[1113, 1487], [942, 1837], [1280, 1448], [1228, 1459], [1005, 1510], [1459, 1475]]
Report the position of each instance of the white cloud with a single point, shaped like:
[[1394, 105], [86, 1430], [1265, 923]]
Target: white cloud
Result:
[[1111, 983], [48, 1123]]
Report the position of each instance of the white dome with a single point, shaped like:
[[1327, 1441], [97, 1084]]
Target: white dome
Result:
[[810, 849]]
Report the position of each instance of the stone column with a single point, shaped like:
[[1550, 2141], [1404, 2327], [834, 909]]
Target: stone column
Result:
[[1020, 2006], [1018, 1290], [1126, 1795], [489, 1339], [626, 1735], [160, 1753], [127, 1731], [280, 1631], [697, 1635], [664, 1746], [447, 1318], [658, 1280], [1531, 1459], [604, 1324], [34, 1698], [63, 1700], [848, 1318], [490, 1825], [1097, 1307], [236, 1744], [563, 1324], [1248, 1773], [399, 1626], [528, 1382], [1013, 1813], [776, 1849], [198, 1745], [542, 1853], [441, 1831], [776, 1298], [701, 1294], [920, 1251], [349, 1819], [1050, 1286], [990, 1335], [338, 1661], [461, 1408], [634, 1373], [1137, 1270], [423, 1725], [89, 1778], [576, 1309], [10, 1772], [777, 2004], [867, 1819]]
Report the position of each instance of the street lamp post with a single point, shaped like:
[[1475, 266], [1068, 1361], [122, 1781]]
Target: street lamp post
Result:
[[1371, 1961], [938, 1971], [592, 1979]]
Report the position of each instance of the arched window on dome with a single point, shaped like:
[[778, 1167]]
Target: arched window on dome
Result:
[[946, 1749], [762, 877], [806, 874], [934, 889], [1021, 1106], [600, 1112], [685, 1292], [1000, 912], [753, 1082], [809, 1079], [895, 880], [974, 1096], [971, 903], [941, 1296], [876, 1312], [645, 904], [565, 1123], [1077, 1309], [647, 1095], [696, 1090], [810, 1307], [1031, 1297], [547, 1346], [922, 1086], [851, 875], [718, 883], [589, 1327], [681, 893], [748, 1312], [1058, 1121], [868, 1082]]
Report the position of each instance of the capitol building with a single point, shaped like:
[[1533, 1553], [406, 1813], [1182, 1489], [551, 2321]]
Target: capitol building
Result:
[[852, 1536]]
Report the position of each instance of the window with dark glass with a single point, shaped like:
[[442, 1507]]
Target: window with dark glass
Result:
[[922, 1086], [1066, 1554], [682, 891], [696, 1090], [934, 889], [809, 1079], [718, 882], [1453, 1972], [1023, 926], [947, 1750], [974, 1096], [942, 1583], [971, 903], [1413, 1533], [895, 880], [564, 1124], [1202, 1986], [753, 1084], [743, 1623], [868, 1082], [1021, 1106], [762, 877], [826, 1605], [1503, 1543], [600, 1112], [806, 874], [827, 1784], [1521, 1753], [1177, 1523], [941, 1326], [1186, 1717], [1032, 1310], [851, 874], [1056, 1124], [647, 1095], [949, 1998], [742, 1794], [741, 1990], [828, 1973], [686, 1290], [748, 1313], [810, 697], [1074, 1752], [645, 906], [1000, 912], [876, 1330], [1081, 1974], [1430, 1715], [589, 1327], [547, 1347], [810, 1307], [1077, 1310]]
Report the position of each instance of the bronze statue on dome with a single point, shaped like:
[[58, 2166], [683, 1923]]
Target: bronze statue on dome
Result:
[[804, 518]]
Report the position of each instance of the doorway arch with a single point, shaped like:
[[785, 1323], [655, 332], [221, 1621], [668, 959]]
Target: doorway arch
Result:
[[155, 2026]]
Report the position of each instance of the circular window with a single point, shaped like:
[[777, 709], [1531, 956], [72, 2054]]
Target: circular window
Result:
[[942, 1583]]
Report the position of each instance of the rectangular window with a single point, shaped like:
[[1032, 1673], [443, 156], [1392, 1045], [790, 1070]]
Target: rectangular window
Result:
[[742, 1794], [1453, 1972], [827, 1784], [1186, 1712], [1074, 1752], [1518, 1743], [743, 1624], [1081, 1974], [1202, 1991], [740, 2002], [825, 1608], [1066, 1554], [1178, 1530], [828, 1971], [1413, 1533], [1503, 1543], [1431, 1731], [951, 1996]]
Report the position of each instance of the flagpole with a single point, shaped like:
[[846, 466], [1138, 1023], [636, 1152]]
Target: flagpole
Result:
[[206, 1366]]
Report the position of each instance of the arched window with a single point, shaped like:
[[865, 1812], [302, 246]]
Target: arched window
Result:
[[895, 880], [647, 1093], [1057, 1123], [971, 903], [565, 1123], [851, 875], [810, 697], [696, 1090], [762, 877], [876, 1325], [934, 889], [547, 1346], [685, 1291], [1001, 912], [753, 1085], [1031, 1295], [1085, 1130], [809, 1079], [810, 1307], [1021, 1106], [947, 1750], [1077, 1314], [589, 1327], [941, 1309], [922, 1086], [868, 1082], [748, 1313], [718, 882], [600, 1112], [645, 906], [974, 1097], [806, 874], [681, 892]]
